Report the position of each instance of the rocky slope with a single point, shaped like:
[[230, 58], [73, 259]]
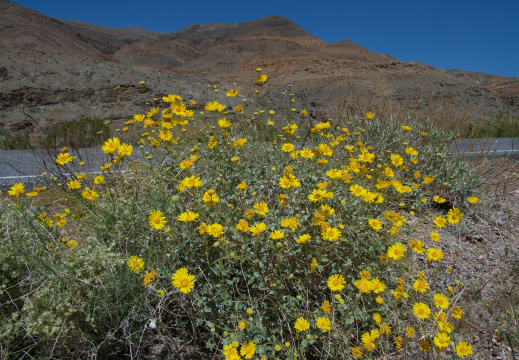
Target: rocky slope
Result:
[[59, 70]]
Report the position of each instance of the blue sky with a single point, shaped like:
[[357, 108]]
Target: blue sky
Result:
[[476, 35]]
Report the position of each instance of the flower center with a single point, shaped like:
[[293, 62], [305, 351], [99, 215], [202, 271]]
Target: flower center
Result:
[[184, 282]]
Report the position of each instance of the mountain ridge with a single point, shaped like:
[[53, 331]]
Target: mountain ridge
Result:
[[80, 62]]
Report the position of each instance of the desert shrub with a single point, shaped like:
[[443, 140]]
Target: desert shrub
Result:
[[15, 142], [244, 235], [505, 124], [83, 133]]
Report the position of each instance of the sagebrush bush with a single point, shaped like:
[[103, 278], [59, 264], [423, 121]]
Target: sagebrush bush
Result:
[[244, 233]]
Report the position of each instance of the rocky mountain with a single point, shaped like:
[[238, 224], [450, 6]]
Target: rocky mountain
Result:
[[59, 70]]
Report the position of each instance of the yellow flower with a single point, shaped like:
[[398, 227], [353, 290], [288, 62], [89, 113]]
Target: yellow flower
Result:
[[248, 350], [421, 311], [463, 349], [435, 236], [388, 172], [188, 216], [442, 340], [445, 327], [191, 182], [238, 109], [242, 186], [454, 216], [377, 318], [149, 277], [303, 239], [406, 128], [457, 312], [235, 158], [410, 332], [439, 199], [368, 339], [379, 300], [287, 147], [210, 198], [434, 254], [425, 346], [397, 160], [242, 325], [232, 93], [71, 243], [396, 251], [440, 316], [416, 246], [364, 285], [441, 301], [243, 226], [421, 286], [215, 230], [157, 220], [398, 342], [135, 263], [369, 115], [377, 286], [323, 323], [214, 106], [239, 142], [257, 228], [261, 208], [301, 325], [313, 265], [336, 282], [276, 235], [125, 150], [63, 159], [376, 224], [326, 307], [106, 167], [16, 189], [212, 142], [440, 222], [288, 181], [356, 352], [230, 351], [290, 223], [357, 190], [331, 234], [428, 179], [306, 153], [99, 179], [89, 194], [472, 199], [261, 78], [183, 281]]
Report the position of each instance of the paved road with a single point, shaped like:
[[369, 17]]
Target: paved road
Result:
[[489, 147], [27, 166]]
